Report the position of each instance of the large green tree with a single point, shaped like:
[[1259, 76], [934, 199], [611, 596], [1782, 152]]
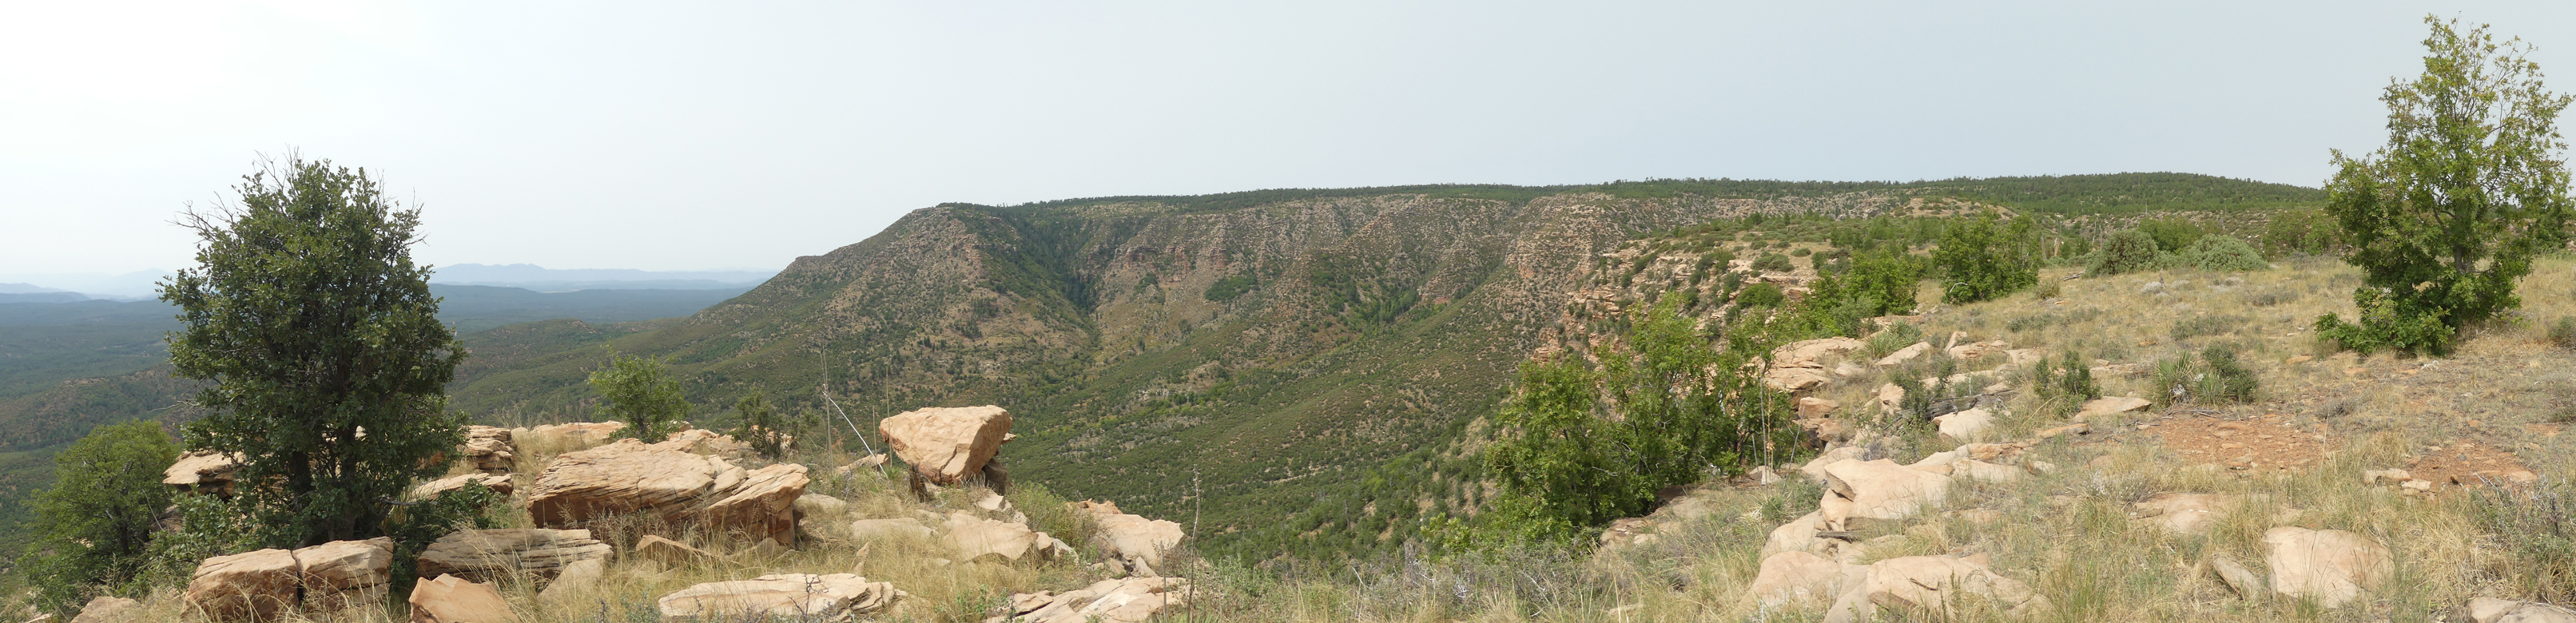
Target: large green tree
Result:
[[1985, 259], [93, 529], [2448, 215], [641, 391], [320, 340]]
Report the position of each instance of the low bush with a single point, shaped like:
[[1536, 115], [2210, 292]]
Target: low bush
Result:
[[2563, 334], [1774, 263], [2126, 252], [1895, 338], [2221, 253], [2537, 527], [2198, 326], [2214, 377], [1761, 295]]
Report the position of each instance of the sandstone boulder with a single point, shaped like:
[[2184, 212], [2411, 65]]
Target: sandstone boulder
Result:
[[1821, 432], [1129, 600], [343, 575], [762, 507], [490, 555], [1880, 490], [572, 437], [801, 596], [2239, 579], [202, 471], [819, 505], [498, 483], [488, 449], [249, 586], [1976, 350], [1969, 425], [1905, 354], [1932, 584], [450, 599], [2190, 514], [581, 575], [1982, 471], [1891, 398], [1801, 578], [977, 538], [1799, 535], [110, 609], [2111, 406], [2492, 610], [2331, 567], [1794, 380], [945, 445], [625, 477], [1132, 538], [705, 442], [1812, 407], [1815, 468]]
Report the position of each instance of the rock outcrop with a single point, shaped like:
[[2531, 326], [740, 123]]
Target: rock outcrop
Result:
[[1881, 489], [450, 599], [1931, 584], [2181, 513], [203, 471], [572, 437], [977, 538], [490, 555], [945, 445], [346, 574], [488, 449], [2331, 567], [1109, 601], [2111, 406], [1137, 542], [1802, 579], [801, 596], [498, 483], [2492, 610], [681, 488]]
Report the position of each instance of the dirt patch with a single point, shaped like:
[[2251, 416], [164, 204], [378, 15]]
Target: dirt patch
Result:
[[2250, 444], [2464, 464]]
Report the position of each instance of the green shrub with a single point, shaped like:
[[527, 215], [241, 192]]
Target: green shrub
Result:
[[2563, 334], [2172, 236], [2065, 385], [2221, 253], [2403, 324], [1774, 263], [1985, 260], [1229, 288], [2125, 252], [94, 526], [2048, 288], [1761, 295], [2214, 377], [1799, 252], [1896, 337]]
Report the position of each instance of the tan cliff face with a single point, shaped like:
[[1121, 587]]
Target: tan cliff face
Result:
[[1275, 350]]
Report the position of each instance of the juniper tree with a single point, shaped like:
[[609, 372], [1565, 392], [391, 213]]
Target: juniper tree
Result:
[[319, 338], [2448, 215], [640, 391]]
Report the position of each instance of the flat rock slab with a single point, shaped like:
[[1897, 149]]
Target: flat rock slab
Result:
[[450, 599], [803, 595], [250, 586], [489, 555], [2332, 567], [1109, 601]]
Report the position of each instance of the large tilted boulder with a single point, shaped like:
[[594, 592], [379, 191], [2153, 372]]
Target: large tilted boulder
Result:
[[451, 599], [802, 596], [490, 555], [110, 609], [2331, 567], [488, 449], [1108, 601], [249, 586], [1133, 539], [203, 471], [681, 488], [1879, 490], [944, 445]]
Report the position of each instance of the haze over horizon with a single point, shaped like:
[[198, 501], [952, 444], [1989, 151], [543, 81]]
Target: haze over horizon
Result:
[[687, 137]]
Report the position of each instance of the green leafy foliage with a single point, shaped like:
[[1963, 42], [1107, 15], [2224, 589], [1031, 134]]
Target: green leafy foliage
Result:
[[2126, 252], [2066, 383], [1229, 287], [1580, 447], [641, 392], [2303, 231], [209, 526], [308, 318], [2221, 253], [2446, 216], [2215, 377], [760, 426], [1985, 260], [94, 526], [415, 526], [1760, 295], [1774, 263]]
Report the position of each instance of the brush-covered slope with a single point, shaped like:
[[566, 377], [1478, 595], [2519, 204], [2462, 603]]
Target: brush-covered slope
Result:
[[1234, 355]]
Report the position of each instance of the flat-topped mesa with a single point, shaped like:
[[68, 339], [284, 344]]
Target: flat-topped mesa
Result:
[[946, 445]]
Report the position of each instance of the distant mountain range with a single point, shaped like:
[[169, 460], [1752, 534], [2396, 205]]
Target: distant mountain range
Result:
[[542, 279]]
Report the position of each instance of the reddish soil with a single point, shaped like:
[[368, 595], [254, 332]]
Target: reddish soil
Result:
[[2250, 444]]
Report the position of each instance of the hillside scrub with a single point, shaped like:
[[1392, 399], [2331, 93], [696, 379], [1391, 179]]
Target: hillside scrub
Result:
[[2221, 253], [1984, 259], [2126, 252], [94, 527]]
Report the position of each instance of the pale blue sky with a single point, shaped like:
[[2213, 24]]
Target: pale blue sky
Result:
[[693, 136]]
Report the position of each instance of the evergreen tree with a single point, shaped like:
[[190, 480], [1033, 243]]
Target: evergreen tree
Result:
[[641, 392], [94, 527], [2448, 215], [1985, 260], [326, 362]]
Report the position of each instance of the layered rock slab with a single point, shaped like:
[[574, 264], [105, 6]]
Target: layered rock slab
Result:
[[944, 445], [489, 555], [804, 596]]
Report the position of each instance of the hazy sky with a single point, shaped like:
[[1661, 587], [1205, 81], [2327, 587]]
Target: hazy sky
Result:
[[705, 135]]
